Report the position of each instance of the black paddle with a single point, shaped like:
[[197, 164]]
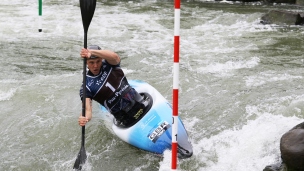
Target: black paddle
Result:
[[87, 8]]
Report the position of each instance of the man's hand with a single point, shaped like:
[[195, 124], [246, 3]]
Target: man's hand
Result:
[[82, 120], [85, 53]]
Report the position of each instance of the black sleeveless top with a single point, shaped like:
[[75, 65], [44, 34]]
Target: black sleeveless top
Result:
[[107, 87]]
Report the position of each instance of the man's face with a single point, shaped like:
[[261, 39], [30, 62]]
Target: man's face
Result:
[[94, 65]]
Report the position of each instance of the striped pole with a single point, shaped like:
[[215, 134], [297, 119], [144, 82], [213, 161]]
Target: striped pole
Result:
[[175, 83], [40, 15]]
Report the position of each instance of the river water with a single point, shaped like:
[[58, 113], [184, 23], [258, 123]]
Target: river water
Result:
[[240, 83]]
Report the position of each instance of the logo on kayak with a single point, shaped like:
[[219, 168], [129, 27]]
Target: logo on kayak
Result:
[[159, 131], [141, 111]]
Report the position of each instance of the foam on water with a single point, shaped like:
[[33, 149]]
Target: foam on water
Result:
[[6, 95], [250, 147], [7, 90], [225, 68], [219, 62], [270, 76]]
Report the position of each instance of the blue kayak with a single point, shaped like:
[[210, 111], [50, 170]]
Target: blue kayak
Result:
[[153, 130]]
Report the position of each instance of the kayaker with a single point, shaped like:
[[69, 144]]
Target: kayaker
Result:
[[106, 83]]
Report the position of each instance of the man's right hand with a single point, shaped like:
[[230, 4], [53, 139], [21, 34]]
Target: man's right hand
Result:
[[85, 53], [82, 120]]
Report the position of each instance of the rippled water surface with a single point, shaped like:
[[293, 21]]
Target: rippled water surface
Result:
[[240, 82]]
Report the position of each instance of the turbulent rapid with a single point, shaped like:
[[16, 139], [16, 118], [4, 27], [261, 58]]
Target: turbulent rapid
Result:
[[240, 82]]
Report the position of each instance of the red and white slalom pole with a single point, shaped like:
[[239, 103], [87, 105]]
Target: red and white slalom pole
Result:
[[175, 83]]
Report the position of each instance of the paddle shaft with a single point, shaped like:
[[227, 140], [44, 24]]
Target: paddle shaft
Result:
[[87, 8], [84, 89]]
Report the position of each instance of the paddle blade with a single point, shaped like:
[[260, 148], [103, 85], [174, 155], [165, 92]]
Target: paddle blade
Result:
[[87, 8], [81, 159]]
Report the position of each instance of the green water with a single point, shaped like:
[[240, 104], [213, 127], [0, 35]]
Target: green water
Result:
[[240, 82]]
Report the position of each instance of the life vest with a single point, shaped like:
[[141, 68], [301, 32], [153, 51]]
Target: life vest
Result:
[[111, 89]]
